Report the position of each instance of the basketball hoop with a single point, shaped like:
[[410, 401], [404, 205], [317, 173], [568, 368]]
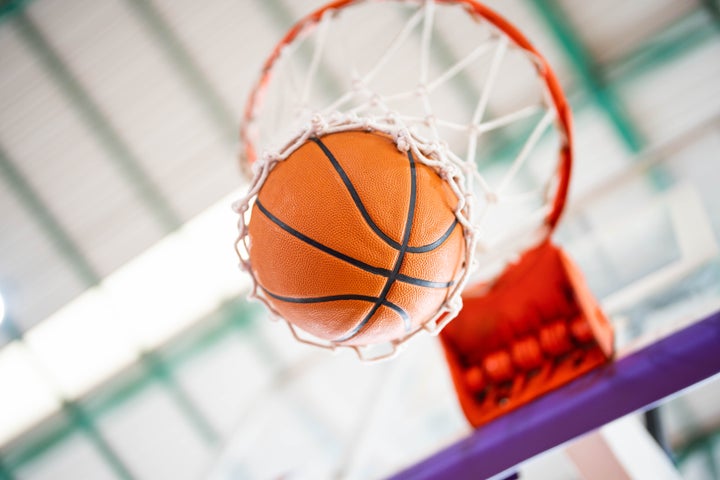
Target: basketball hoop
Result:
[[454, 86]]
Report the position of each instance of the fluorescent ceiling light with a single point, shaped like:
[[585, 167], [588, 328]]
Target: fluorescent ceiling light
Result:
[[27, 396], [178, 281]]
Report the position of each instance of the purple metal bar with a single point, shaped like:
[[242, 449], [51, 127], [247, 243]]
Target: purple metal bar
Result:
[[632, 383]]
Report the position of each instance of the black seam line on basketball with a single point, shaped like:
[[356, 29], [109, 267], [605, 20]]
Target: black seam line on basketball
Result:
[[366, 215], [353, 193], [383, 272], [398, 262], [422, 283], [432, 246], [333, 298]]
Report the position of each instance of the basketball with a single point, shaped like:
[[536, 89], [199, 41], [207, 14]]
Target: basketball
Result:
[[354, 241]]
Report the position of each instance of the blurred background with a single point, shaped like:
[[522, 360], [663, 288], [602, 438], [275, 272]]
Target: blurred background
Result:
[[127, 349]]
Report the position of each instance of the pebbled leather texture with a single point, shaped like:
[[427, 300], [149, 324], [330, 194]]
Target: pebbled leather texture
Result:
[[354, 241]]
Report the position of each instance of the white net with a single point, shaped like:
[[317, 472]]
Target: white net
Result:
[[451, 86]]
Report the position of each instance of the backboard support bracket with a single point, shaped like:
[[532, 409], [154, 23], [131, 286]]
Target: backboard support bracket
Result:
[[506, 349]]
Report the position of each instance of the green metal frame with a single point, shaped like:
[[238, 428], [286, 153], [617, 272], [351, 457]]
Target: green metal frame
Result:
[[82, 416], [198, 84], [590, 74], [96, 121], [66, 247], [704, 445]]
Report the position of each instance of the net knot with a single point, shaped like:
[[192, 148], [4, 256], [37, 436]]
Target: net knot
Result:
[[455, 304], [358, 84], [449, 171], [443, 146], [421, 90], [402, 141], [319, 124], [239, 206], [267, 157]]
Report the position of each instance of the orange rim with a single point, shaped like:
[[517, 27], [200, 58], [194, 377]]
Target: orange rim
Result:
[[474, 8]]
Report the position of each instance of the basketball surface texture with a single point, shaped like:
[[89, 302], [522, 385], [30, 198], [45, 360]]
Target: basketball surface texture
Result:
[[354, 241]]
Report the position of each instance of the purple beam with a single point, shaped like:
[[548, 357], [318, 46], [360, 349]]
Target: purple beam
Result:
[[631, 383]]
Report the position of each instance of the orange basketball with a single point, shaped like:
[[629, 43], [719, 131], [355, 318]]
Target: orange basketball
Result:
[[354, 241]]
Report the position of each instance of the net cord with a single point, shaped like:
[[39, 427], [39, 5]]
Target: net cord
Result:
[[459, 173]]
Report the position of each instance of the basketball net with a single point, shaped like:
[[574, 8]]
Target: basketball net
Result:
[[449, 80]]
